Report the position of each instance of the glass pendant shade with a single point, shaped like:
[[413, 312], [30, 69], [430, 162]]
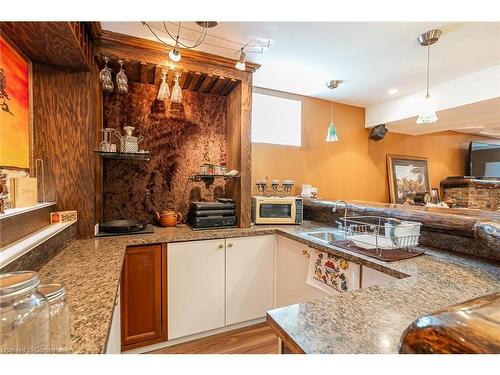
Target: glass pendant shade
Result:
[[164, 91], [427, 113], [175, 54], [331, 135], [176, 96]]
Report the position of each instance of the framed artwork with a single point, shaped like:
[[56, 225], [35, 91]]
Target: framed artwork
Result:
[[407, 176], [15, 108]]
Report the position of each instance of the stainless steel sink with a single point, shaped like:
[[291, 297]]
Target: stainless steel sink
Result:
[[327, 236]]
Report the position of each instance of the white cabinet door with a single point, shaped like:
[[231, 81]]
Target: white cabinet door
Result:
[[195, 287], [371, 277], [249, 278], [291, 271]]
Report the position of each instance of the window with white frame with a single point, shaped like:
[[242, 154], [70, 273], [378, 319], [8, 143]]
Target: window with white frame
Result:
[[276, 119]]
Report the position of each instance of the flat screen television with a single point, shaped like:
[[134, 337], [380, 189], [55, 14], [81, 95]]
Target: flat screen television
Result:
[[483, 160]]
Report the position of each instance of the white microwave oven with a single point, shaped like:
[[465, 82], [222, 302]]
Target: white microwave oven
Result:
[[277, 210]]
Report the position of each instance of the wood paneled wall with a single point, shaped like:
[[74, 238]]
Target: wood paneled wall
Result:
[[64, 123], [239, 150]]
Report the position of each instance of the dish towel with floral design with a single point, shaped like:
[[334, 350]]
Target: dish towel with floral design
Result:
[[331, 274]]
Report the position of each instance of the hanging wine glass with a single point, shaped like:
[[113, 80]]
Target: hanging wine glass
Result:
[[164, 91], [176, 90], [121, 80], [108, 86], [105, 73]]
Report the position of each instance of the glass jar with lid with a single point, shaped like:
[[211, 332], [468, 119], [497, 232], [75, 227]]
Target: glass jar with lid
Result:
[[59, 316], [25, 319]]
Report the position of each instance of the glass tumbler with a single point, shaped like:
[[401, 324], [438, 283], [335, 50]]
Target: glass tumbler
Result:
[[59, 316], [25, 319]]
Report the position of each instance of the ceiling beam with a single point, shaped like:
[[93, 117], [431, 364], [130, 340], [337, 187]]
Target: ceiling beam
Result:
[[137, 49]]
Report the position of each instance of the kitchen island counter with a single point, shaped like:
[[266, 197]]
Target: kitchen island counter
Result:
[[369, 320]]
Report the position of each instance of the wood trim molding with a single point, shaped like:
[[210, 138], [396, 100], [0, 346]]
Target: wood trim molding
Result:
[[95, 29], [110, 39], [287, 341]]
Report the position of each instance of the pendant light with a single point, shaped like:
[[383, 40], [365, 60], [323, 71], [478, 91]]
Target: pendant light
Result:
[[240, 64], [176, 96], [164, 91], [331, 135], [175, 54], [427, 112]]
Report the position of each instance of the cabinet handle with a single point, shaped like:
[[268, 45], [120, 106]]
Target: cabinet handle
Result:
[[221, 246], [230, 245]]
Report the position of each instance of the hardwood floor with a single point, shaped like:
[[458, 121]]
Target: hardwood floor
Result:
[[256, 339]]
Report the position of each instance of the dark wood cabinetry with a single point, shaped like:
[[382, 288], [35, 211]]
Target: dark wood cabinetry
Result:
[[144, 296]]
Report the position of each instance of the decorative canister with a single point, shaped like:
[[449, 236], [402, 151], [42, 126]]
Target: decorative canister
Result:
[[59, 316], [24, 312]]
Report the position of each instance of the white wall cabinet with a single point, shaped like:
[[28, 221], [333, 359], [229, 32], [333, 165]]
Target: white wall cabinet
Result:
[[249, 278], [196, 281]]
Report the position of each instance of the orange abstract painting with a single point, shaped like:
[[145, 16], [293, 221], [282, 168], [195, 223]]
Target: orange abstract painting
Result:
[[14, 108]]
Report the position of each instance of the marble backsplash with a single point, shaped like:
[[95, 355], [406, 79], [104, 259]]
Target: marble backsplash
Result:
[[180, 138]]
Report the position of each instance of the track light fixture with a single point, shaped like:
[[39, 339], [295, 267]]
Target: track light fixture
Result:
[[240, 64], [175, 54]]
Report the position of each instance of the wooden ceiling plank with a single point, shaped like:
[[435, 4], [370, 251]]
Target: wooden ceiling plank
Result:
[[200, 82], [187, 81], [194, 81], [150, 78], [184, 75], [170, 77], [129, 71], [143, 72], [207, 84], [218, 85], [229, 87], [157, 77]]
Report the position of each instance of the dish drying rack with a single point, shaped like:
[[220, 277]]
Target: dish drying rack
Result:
[[380, 233]]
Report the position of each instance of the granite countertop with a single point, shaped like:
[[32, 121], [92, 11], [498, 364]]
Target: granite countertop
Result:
[[369, 320], [91, 269], [372, 320]]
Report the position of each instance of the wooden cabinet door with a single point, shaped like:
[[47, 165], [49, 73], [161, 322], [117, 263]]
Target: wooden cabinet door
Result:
[[249, 278], [291, 271], [195, 287], [143, 296]]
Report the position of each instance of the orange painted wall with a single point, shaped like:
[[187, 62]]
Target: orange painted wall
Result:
[[355, 167]]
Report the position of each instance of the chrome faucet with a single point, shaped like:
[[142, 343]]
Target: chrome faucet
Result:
[[334, 209], [336, 203]]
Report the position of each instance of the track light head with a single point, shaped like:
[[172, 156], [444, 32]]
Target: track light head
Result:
[[240, 65], [175, 54]]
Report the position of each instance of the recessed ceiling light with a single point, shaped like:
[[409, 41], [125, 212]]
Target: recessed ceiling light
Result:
[[393, 91]]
